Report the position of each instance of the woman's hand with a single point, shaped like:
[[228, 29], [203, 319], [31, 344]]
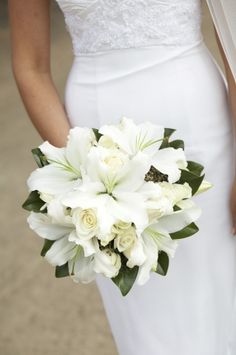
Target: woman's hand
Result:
[[30, 39]]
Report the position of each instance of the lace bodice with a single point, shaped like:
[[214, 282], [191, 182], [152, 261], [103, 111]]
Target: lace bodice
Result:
[[100, 25]]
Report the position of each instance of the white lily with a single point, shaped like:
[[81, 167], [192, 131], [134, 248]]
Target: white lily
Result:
[[151, 255], [113, 191], [62, 249], [132, 138], [157, 236], [63, 171], [147, 137], [176, 192]]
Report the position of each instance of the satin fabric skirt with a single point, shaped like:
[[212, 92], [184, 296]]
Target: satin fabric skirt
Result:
[[192, 310]]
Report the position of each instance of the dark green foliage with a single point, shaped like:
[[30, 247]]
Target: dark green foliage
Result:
[[194, 180], [62, 271], [162, 263], [195, 167], [97, 134], [34, 203], [178, 143], [167, 133], [39, 157], [47, 245], [126, 277], [189, 230]]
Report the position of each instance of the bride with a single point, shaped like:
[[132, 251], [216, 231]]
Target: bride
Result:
[[146, 59]]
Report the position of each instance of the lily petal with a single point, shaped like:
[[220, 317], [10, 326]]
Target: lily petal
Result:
[[61, 251], [169, 161], [43, 226], [51, 179], [178, 219], [83, 269]]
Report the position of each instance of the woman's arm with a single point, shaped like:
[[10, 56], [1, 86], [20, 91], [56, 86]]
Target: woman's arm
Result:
[[30, 38], [230, 80], [232, 102]]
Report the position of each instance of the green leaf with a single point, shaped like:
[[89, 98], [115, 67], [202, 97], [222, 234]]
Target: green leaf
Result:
[[176, 208], [192, 179], [126, 278], [168, 132], [62, 271], [178, 143], [39, 157], [33, 203], [195, 167], [189, 230], [97, 134], [47, 245], [162, 263]]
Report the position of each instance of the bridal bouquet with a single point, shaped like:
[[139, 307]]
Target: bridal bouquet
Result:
[[114, 201]]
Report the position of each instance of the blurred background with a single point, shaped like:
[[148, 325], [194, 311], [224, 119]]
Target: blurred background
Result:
[[41, 315]]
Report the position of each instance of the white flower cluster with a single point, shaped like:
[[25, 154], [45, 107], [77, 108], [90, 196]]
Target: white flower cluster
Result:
[[98, 209]]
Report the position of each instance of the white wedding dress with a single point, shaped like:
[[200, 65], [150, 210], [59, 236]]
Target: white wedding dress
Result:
[[146, 59]]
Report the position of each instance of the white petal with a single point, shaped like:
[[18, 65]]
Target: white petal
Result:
[[42, 225], [179, 219], [105, 214], [132, 137], [169, 161], [61, 251], [205, 185], [149, 136], [151, 252], [52, 153], [136, 255], [130, 207], [83, 269], [57, 212], [176, 192], [117, 136], [90, 246], [161, 238], [132, 178], [86, 196], [105, 265], [51, 180], [79, 143]]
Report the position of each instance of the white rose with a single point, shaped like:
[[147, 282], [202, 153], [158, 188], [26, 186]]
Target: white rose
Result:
[[114, 162], [106, 142], [176, 192], [135, 254], [85, 221], [159, 208], [120, 225], [125, 239], [107, 262]]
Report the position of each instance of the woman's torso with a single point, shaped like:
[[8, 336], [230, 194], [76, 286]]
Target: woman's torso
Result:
[[145, 59], [101, 25]]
